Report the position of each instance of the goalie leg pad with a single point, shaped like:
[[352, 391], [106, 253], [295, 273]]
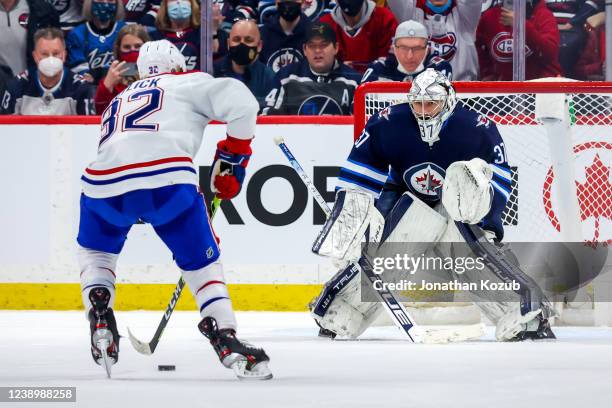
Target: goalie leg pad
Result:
[[339, 307]]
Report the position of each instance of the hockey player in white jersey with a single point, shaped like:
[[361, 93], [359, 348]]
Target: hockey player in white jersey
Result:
[[431, 171], [144, 170]]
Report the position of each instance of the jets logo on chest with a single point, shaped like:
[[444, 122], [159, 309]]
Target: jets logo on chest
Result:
[[425, 179]]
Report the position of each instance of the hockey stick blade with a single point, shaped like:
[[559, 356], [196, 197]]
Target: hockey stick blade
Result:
[[149, 348], [139, 346]]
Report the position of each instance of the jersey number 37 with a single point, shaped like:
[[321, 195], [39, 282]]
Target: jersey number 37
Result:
[[131, 112]]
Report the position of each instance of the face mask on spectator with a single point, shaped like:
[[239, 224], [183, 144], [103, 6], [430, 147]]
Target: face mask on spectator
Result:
[[243, 54], [50, 66], [103, 11], [289, 10], [351, 7], [130, 56], [179, 10], [438, 9]]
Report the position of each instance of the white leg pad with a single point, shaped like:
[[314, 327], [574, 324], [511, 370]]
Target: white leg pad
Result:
[[211, 295], [97, 269]]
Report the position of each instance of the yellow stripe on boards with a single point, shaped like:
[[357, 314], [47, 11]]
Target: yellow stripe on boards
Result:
[[131, 296]]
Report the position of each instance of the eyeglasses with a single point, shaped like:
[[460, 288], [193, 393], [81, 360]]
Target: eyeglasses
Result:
[[407, 49]]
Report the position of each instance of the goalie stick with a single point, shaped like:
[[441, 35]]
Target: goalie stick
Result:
[[396, 310], [149, 348]]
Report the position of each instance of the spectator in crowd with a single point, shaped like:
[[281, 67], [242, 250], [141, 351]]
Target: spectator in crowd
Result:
[[234, 10], [283, 35], [242, 61], [452, 28], [50, 88], [5, 77], [318, 85], [21, 19], [90, 45], [494, 42], [571, 17], [70, 13], [143, 12], [178, 21], [312, 9], [122, 71], [410, 56], [364, 31]]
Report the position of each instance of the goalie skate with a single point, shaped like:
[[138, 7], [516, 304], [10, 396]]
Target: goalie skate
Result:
[[103, 327], [247, 361]]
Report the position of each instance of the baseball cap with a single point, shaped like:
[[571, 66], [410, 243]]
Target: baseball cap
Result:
[[410, 29], [321, 30]]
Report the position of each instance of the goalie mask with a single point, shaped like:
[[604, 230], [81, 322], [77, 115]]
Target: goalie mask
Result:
[[432, 100]]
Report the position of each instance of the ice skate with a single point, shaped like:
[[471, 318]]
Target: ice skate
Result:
[[537, 329], [104, 334], [248, 362]]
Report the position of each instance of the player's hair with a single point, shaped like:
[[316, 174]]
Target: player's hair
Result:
[[88, 16], [162, 21], [49, 33], [131, 29]]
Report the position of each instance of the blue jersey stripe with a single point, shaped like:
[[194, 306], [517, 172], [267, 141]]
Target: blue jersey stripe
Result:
[[374, 169], [361, 176], [362, 185], [136, 175]]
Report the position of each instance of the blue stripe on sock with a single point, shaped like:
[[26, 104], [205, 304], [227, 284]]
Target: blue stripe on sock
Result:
[[208, 302]]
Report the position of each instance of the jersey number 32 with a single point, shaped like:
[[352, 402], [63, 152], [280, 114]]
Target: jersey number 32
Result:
[[138, 106]]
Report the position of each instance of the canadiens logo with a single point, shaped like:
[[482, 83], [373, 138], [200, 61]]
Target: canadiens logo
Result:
[[23, 20], [283, 57], [444, 46], [425, 179], [501, 47], [594, 191]]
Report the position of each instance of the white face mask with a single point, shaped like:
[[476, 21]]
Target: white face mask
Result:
[[50, 66]]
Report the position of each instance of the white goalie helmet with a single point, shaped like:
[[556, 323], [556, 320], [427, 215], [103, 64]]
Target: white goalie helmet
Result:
[[159, 57], [432, 100]]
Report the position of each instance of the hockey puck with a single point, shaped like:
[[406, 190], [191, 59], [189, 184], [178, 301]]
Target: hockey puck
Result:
[[166, 367]]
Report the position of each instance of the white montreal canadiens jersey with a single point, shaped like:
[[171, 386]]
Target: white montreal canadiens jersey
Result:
[[151, 132]]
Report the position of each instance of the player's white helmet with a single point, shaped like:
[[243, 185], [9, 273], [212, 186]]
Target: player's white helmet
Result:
[[159, 57], [432, 99]]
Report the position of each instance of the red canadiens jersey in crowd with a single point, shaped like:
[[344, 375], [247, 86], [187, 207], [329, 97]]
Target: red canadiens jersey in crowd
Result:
[[494, 43], [370, 42]]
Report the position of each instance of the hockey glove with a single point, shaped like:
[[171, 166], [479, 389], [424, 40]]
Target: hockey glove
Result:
[[228, 169]]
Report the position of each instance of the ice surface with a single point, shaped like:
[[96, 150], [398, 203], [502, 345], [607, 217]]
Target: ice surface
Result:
[[52, 349]]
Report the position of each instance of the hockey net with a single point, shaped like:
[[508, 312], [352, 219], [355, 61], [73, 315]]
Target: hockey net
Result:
[[561, 185]]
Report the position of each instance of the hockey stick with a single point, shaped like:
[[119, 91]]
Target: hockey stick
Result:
[[396, 310], [149, 348]]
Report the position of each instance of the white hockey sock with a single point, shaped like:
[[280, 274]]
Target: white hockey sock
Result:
[[97, 269], [210, 292]]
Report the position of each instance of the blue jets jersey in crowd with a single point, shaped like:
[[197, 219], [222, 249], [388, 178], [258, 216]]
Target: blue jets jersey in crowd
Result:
[[90, 50], [281, 49], [388, 69], [299, 91], [25, 95], [390, 150], [187, 41]]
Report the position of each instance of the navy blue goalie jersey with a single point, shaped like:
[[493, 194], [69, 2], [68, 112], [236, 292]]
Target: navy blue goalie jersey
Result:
[[390, 152]]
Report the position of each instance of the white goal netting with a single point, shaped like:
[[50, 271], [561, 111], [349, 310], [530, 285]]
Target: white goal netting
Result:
[[544, 204]]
